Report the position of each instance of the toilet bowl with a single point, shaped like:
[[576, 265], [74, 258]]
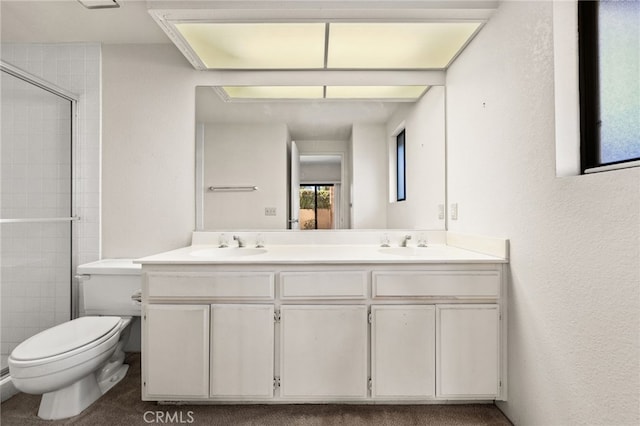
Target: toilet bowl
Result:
[[74, 363]]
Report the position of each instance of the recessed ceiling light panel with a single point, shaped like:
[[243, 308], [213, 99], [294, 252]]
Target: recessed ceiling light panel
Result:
[[256, 45], [375, 92], [273, 92], [394, 45]]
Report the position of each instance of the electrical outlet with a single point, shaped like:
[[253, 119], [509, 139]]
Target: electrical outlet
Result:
[[454, 211], [269, 211], [440, 211]]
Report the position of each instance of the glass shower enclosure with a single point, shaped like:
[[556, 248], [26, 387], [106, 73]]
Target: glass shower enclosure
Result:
[[35, 206]]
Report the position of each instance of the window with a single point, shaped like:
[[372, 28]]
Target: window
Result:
[[609, 46], [401, 173]]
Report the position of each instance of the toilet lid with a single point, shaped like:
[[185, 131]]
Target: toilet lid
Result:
[[64, 337]]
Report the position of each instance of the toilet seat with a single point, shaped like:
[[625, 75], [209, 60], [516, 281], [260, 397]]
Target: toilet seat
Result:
[[81, 333], [38, 367]]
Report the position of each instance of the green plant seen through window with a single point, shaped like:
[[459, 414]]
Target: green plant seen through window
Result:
[[308, 198]]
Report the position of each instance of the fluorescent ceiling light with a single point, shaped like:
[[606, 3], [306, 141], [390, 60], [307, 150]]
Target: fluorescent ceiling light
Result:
[[396, 45], [375, 92], [317, 45], [274, 92], [256, 45]]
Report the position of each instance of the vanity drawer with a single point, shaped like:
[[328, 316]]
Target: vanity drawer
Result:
[[212, 285], [458, 284], [324, 285]]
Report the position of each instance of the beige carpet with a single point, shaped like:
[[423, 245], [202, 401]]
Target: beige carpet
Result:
[[122, 406]]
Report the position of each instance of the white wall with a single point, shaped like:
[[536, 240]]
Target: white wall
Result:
[[370, 172], [574, 302], [245, 155], [425, 163], [148, 150], [320, 173]]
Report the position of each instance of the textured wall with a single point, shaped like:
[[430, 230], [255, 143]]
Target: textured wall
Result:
[[369, 184], [148, 150], [574, 302], [245, 155], [425, 165]]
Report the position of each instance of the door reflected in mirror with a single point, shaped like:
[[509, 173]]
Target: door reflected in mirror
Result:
[[343, 152]]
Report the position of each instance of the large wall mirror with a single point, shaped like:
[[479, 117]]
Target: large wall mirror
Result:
[[319, 164]]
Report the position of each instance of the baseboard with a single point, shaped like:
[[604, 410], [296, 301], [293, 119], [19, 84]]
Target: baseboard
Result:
[[7, 389]]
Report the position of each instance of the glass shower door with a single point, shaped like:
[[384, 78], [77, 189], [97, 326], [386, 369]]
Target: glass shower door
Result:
[[35, 210]]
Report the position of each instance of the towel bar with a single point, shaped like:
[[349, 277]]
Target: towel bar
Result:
[[231, 188]]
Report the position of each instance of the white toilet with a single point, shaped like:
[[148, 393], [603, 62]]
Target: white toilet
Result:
[[74, 363]]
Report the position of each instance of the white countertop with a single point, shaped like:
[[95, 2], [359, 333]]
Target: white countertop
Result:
[[110, 267], [318, 254]]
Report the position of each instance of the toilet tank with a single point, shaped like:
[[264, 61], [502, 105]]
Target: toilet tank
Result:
[[106, 287]]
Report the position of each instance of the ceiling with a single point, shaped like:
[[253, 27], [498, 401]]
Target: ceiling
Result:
[[312, 120], [65, 21]]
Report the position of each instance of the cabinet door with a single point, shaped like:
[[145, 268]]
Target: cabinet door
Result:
[[468, 351], [175, 351], [324, 352], [242, 351], [403, 352]]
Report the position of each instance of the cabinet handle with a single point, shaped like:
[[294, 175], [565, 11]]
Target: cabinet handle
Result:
[[137, 297]]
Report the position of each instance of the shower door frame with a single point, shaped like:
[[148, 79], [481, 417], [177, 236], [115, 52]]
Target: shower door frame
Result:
[[73, 99]]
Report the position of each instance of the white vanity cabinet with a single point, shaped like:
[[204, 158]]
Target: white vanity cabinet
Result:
[[461, 334], [325, 332], [324, 345], [195, 347], [208, 351], [324, 352], [175, 344], [403, 351], [468, 356], [241, 355]]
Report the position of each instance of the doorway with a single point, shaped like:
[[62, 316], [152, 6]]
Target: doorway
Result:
[[320, 191], [318, 206]]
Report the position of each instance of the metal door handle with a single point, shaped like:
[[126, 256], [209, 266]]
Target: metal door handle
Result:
[[137, 297]]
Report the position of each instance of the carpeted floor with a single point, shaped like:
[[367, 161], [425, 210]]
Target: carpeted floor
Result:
[[122, 406]]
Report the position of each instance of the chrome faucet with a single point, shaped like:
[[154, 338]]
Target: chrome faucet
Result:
[[404, 240], [240, 242]]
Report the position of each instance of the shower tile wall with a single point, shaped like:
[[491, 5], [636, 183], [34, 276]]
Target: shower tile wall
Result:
[[76, 68]]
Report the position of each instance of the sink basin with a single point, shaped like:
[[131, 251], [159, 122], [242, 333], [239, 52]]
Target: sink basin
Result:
[[227, 252], [404, 251]]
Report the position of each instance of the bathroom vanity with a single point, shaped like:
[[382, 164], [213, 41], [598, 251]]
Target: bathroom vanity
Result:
[[324, 323]]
